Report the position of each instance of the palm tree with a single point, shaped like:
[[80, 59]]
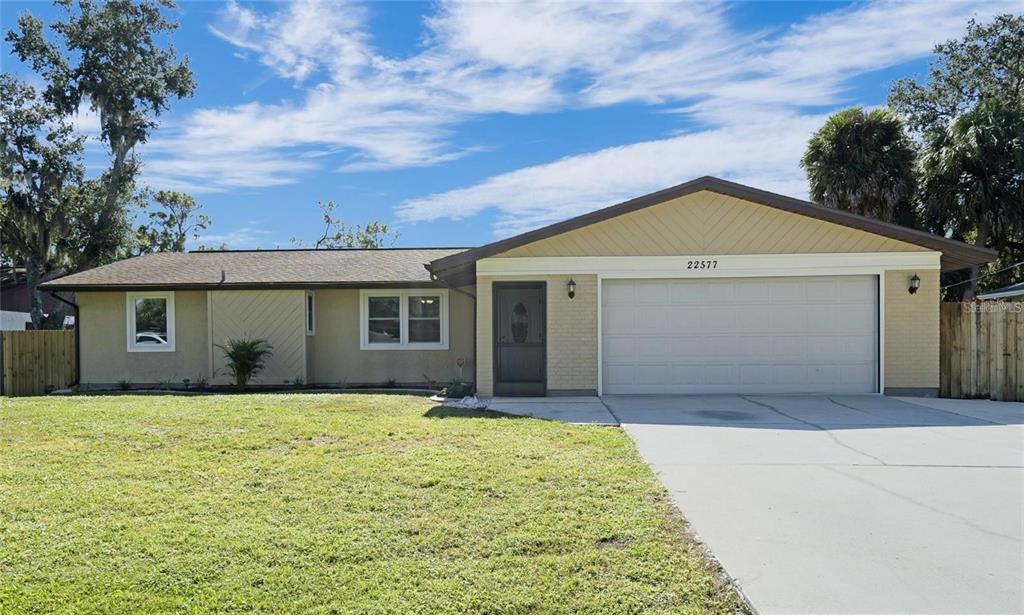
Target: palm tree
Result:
[[973, 180], [245, 358], [863, 162]]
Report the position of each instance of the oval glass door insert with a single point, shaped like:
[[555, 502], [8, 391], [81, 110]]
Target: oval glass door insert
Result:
[[520, 323]]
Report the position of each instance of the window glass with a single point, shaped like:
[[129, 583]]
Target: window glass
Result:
[[425, 307], [520, 323], [309, 313], [385, 323], [424, 319], [384, 307], [151, 321]]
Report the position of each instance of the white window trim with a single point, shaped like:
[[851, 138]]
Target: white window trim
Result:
[[403, 294], [309, 315], [130, 311]]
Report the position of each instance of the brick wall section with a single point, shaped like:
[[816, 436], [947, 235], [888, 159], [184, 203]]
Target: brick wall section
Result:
[[911, 331], [571, 333]]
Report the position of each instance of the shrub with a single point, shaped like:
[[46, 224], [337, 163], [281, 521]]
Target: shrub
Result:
[[124, 385], [245, 358], [457, 389]]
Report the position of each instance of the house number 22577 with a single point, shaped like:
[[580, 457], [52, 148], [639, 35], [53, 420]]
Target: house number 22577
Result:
[[701, 264]]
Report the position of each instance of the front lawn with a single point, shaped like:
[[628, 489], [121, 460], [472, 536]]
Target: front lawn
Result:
[[331, 503]]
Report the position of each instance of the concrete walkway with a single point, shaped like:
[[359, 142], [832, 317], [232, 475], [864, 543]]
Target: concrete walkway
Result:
[[580, 410], [847, 504]]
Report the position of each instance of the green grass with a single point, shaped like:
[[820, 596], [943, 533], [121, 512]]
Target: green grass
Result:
[[331, 503]]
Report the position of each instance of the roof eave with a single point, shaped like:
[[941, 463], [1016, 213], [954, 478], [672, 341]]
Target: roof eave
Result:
[[82, 287], [956, 255]]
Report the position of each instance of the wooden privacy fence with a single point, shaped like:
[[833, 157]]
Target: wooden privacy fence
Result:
[[36, 362], [982, 350]]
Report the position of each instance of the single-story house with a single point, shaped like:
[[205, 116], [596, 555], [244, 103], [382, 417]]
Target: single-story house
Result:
[[705, 287]]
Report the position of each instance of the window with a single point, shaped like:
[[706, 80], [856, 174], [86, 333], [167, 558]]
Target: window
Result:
[[404, 319], [310, 322], [150, 322]]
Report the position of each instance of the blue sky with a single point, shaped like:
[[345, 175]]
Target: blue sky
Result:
[[462, 123]]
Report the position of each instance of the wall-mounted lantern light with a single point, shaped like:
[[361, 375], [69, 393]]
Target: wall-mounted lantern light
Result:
[[572, 288], [915, 283]]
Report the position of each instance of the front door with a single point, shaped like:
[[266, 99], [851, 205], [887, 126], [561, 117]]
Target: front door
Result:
[[519, 338]]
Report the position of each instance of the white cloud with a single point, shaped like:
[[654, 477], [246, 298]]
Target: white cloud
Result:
[[380, 112], [248, 236], [357, 108], [545, 193], [756, 103], [307, 37]]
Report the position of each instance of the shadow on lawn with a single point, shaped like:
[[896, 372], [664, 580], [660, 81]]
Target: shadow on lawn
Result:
[[444, 412]]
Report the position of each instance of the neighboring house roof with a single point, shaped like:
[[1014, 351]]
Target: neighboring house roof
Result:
[[955, 254], [14, 295], [1013, 290], [352, 268]]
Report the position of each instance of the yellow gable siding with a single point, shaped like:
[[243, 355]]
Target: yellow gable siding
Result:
[[710, 223]]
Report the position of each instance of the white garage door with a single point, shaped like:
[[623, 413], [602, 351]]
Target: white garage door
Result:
[[740, 335]]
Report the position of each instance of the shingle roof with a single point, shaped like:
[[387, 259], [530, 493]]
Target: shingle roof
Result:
[[261, 269]]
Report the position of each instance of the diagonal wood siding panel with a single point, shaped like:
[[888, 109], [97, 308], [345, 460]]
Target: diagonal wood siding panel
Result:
[[710, 223], [273, 315]]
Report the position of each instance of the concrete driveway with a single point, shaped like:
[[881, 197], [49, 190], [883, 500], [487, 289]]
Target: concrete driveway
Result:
[[847, 504]]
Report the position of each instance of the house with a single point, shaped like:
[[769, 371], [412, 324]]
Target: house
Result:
[[705, 287], [15, 301], [1013, 292]]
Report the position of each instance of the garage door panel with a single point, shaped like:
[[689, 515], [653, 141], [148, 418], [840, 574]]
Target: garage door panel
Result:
[[740, 335], [757, 373], [783, 320], [619, 374], [654, 374], [619, 321], [617, 294], [622, 347], [719, 294], [852, 374], [682, 296], [825, 291], [787, 348], [650, 292], [687, 375], [786, 291], [823, 374], [752, 293]]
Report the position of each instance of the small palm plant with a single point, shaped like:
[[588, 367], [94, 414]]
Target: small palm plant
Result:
[[246, 358]]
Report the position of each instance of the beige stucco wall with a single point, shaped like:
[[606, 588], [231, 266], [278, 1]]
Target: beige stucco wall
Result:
[[571, 333], [104, 341], [706, 223], [911, 331], [274, 315], [335, 357]]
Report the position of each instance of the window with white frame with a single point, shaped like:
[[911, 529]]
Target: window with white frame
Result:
[[151, 322], [310, 317], [403, 319]]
